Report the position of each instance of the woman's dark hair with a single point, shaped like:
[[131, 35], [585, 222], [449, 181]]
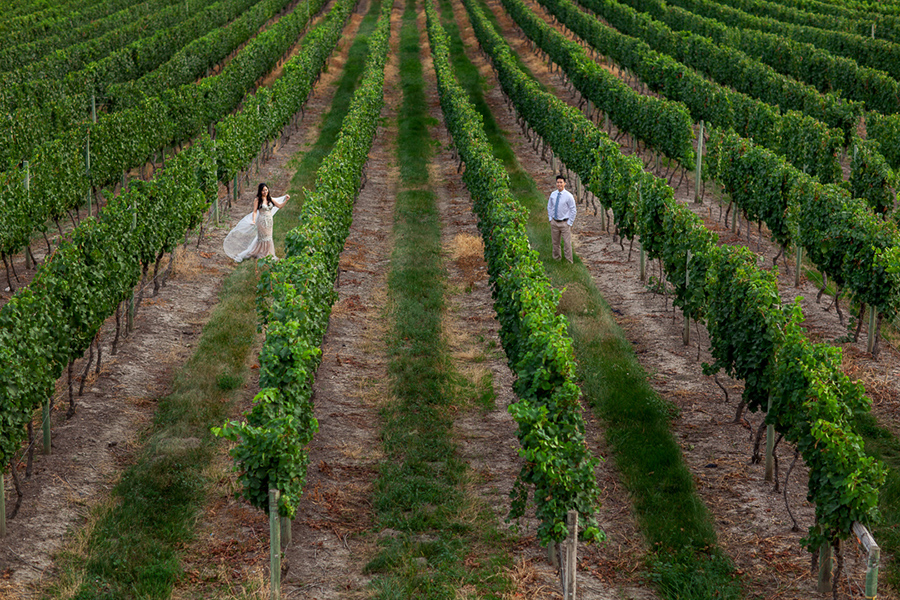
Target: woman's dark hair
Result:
[[259, 199]]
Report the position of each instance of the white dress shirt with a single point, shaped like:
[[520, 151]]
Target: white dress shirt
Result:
[[566, 211]]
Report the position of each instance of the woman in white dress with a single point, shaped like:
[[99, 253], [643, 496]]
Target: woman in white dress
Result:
[[252, 236]]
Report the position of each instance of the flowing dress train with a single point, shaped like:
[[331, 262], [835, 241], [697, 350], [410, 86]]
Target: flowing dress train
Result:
[[249, 240]]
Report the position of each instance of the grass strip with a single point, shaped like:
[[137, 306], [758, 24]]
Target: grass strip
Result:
[[444, 540], [684, 561], [136, 539]]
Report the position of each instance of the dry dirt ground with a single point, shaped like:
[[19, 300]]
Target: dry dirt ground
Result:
[[328, 550]]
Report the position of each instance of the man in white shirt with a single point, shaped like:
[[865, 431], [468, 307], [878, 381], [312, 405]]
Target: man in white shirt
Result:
[[561, 212]]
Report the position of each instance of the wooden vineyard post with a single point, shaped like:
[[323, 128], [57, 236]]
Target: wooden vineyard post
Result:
[[90, 187], [643, 256], [698, 179], [770, 446], [235, 189], [286, 535], [45, 425], [799, 259], [824, 568], [571, 556], [27, 170], [274, 546], [129, 322], [87, 168], [874, 556], [93, 120], [870, 342], [217, 194], [129, 313], [553, 554], [686, 334], [643, 263], [2, 506]]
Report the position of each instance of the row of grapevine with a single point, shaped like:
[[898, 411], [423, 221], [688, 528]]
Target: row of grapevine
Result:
[[60, 33], [59, 65], [59, 176], [662, 124], [52, 322], [878, 54], [753, 337], [804, 61], [872, 179], [22, 24], [195, 59], [801, 139], [548, 412], [887, 27], [27, 9], [42, 109], [884, 7], [886, 131], [732, 67], [295, 301], [800, 385], [804, 142], [801, 60], [842, 9], [841, 235]]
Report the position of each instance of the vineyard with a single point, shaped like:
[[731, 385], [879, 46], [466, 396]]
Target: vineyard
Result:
[[415, 400]]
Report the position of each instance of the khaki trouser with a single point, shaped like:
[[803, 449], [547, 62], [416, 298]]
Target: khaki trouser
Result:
[[561, 229]]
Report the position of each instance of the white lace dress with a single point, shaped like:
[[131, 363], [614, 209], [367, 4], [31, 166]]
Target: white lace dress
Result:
[[249, 240]]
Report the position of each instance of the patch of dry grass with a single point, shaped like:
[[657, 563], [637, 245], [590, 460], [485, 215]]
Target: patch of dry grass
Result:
[[528, 583], [187, 265], [575, 300], [875, 381], [465, 245], [467, 253]]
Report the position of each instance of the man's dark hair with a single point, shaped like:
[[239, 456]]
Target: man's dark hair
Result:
[[561, 176]]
